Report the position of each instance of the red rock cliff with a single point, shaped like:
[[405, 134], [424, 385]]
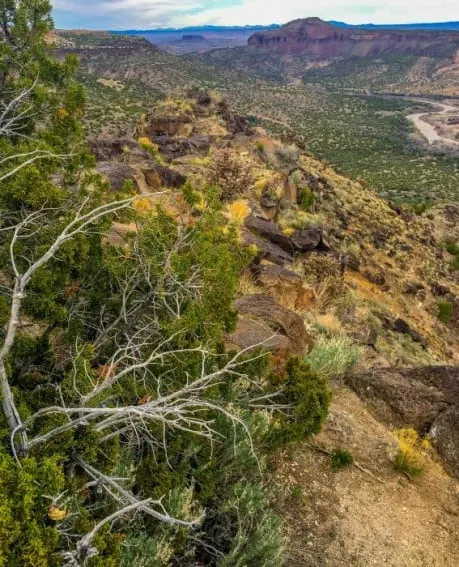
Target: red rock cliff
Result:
[[320, 40]]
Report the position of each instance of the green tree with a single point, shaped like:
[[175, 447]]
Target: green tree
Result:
[[124, 419]]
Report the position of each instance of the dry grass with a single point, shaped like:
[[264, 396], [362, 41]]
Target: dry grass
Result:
[[247, 285], [334, 357], [329, 322]]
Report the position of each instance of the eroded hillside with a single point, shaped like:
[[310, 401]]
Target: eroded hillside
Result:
[[414, 61], [366, 292], [364, 137]]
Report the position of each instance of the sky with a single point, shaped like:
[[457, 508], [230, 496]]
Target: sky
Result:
[[151, 14]]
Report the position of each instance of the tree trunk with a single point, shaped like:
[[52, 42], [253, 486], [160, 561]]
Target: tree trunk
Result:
[[10, 411]]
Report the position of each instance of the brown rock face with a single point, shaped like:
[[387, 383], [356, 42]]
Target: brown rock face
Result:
[[283, 327], [426, 398], [317, 39], [286, 286], [117, 174], [118, 149]]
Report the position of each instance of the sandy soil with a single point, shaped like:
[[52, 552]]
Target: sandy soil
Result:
[[428, 130], [375, 518]]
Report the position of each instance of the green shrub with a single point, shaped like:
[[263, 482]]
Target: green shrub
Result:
[[306, 199], [422, 207], [297, 492], [257, 540], [260, 147], [27, 537], [340, 459], [445, 311], [333, 357], [453, 248], [308, 394]]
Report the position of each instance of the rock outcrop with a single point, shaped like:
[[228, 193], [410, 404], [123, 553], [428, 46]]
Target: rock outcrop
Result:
[[117, 174], [262, 319], [316, 39], [425, 398]]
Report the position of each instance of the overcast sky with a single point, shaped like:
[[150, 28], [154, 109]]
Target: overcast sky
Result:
[[147, 14]]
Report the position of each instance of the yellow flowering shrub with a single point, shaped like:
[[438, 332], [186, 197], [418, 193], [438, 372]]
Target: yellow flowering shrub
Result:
[[413, 452], [238, 211]]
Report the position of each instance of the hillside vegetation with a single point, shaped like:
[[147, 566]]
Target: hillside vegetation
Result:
[[355, 287], [215, 349], [362, 137]]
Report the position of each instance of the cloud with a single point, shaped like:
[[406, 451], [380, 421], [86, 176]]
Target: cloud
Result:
[[123, 14]]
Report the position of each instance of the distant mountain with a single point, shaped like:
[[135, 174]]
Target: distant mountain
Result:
[[213, 37], [222, 29], [197, 29], [436, 26], [317, 39]]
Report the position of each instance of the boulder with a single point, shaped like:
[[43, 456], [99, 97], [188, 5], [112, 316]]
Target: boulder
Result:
[[366, 336], [401, 326], [117, 174], [171, 148], [291, 192], [282, 321], [444, 434], [249, 333], [173, 125], [269, 206], [160, 176], [235, 123], [269, 231], [412, 397], [120, 149], [286, 286], [425, 398], [267, 250], [309, 239]]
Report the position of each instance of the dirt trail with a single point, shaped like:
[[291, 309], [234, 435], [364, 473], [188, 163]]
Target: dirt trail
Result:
[[350, 518], [426, 129]]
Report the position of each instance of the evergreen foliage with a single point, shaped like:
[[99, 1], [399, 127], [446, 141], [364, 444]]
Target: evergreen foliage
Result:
[[116, 375]]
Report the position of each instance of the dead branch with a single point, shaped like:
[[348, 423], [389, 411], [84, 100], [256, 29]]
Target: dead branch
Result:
[[79, 224]]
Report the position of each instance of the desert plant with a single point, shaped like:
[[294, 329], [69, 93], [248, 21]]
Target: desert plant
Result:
[[238, 211], [413, 452], [340, 459], [306, 199], [260, 147], [445, 311], [147, 145], [307, 394], [453, 248], [230, 172], [328, 323], [288, 154], [421, 207], [333, 357]]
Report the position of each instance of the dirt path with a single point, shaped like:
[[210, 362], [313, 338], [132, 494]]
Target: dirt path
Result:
[[349, 518], [426, 129]]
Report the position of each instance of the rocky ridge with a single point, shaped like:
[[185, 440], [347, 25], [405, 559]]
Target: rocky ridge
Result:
[[333, 260]]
